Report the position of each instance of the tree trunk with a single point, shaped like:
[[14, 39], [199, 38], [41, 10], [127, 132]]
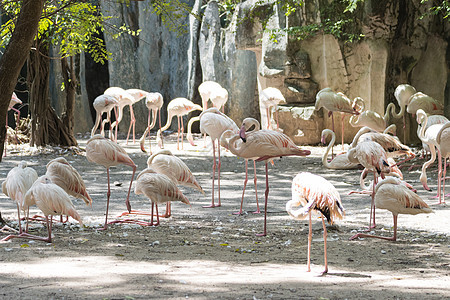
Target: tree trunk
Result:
[[46, 127], [70, 86], [15, 55]]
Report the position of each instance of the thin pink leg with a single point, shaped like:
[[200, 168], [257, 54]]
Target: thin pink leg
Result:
[[178, 133], [332, 126], [218, 171], [243, 191], [364, 235], [132, 123], [269, 123], [342, 130], [325, 246], [255, 180], [439, 174], [182, 133], [308, 266], [108, 194], [214, 175], [265, 205]]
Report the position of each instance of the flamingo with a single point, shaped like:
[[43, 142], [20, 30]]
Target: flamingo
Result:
[[107, 153], [372, 156], [51, 200], [123, 99], [214, 123], [18, 181], [164, 162], [159, 188], [265, 145], [431, 120], [402, 94], [104, 104], [230, 136], [209, 88], [268, 98], [371, 118], [340, 162], [67, 177], [137, 95], [333, 102], [394, 196], [315, 193], [428, 135], [14, 100], [443, 140], [154, 102], [428, 104], [177, 107]]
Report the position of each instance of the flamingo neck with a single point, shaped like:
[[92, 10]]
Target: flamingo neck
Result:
[[325, 155]]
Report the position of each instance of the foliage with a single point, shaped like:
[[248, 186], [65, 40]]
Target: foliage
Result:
[[72, 25], [442, 7], [172, 14]]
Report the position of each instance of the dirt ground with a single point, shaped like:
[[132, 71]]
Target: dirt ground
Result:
[[210, 253]]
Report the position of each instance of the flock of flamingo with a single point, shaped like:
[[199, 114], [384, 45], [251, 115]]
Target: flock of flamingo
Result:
[[373, 148]]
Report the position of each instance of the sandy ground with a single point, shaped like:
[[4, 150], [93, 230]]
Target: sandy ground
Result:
[[205, 253]]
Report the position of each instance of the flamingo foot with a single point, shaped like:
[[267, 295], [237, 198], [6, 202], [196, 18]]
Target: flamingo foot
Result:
[[239, 213], [256, 211], [7, 229], [211, 206], [25, 235], [261, 234]]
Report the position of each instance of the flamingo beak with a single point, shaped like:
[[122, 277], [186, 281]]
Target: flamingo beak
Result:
[[242, 134]]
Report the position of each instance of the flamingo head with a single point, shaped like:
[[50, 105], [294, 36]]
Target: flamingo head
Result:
[[242, 134]]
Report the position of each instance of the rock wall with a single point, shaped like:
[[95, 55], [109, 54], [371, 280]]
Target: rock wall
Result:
[[398, 48]]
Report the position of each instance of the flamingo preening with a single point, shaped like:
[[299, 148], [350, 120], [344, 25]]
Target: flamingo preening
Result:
[[104, 104], [393, 195], [315, 193], [154, 102]]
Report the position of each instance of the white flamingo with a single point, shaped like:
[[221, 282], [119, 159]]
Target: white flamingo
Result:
[[104, 104], [154, 102]]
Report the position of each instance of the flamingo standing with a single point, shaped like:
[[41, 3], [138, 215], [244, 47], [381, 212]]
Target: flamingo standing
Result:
[[372, 156], [265, 145], [14, 100], [107, 153], [159, 188], [428, 104], [104, 104], [214, 123], [154, 102], [443, 140], [431, 120], [18, 181], [177, 107], [230, 136], [428, 135], [67, 177], [137, 95], [124, 99], [402, 94], [315, 193], [164, 162], [393, 195], [339, 162], [51, 200], [269, 98], [209, 88], [337, 102]]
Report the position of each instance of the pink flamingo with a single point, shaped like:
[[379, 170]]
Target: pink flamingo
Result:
[[67, 177], [374, 159], [315, 193], [269, 98], [402, 94], [18, 181], [107, 153], [164, 162], [443, 140], [51, 200], [266, 145], [104, 104], [225, 139], [159, 188], [137, 95], [154, 102], [14, 100], [209, 89], [214, 123], [393, 195], [123, 98], [428, 104], [177, 107], [337, 102], [339, 162]]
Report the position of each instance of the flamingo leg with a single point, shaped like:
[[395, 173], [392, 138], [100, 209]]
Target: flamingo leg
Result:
[[332, 127], [148, 128], [178, 133], [265, 205], [393, 238], [439, 175], [325, 246], [256, 188], [18, 214], [443, 181], [269, 123], [26, 235], [108, 195], [132, 123], [243, 191], [127, 202], [182, 133], [342, 130], [214, 175], [168, 211], [308, 266], [372, 204], [116, 114], [218, 172]]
